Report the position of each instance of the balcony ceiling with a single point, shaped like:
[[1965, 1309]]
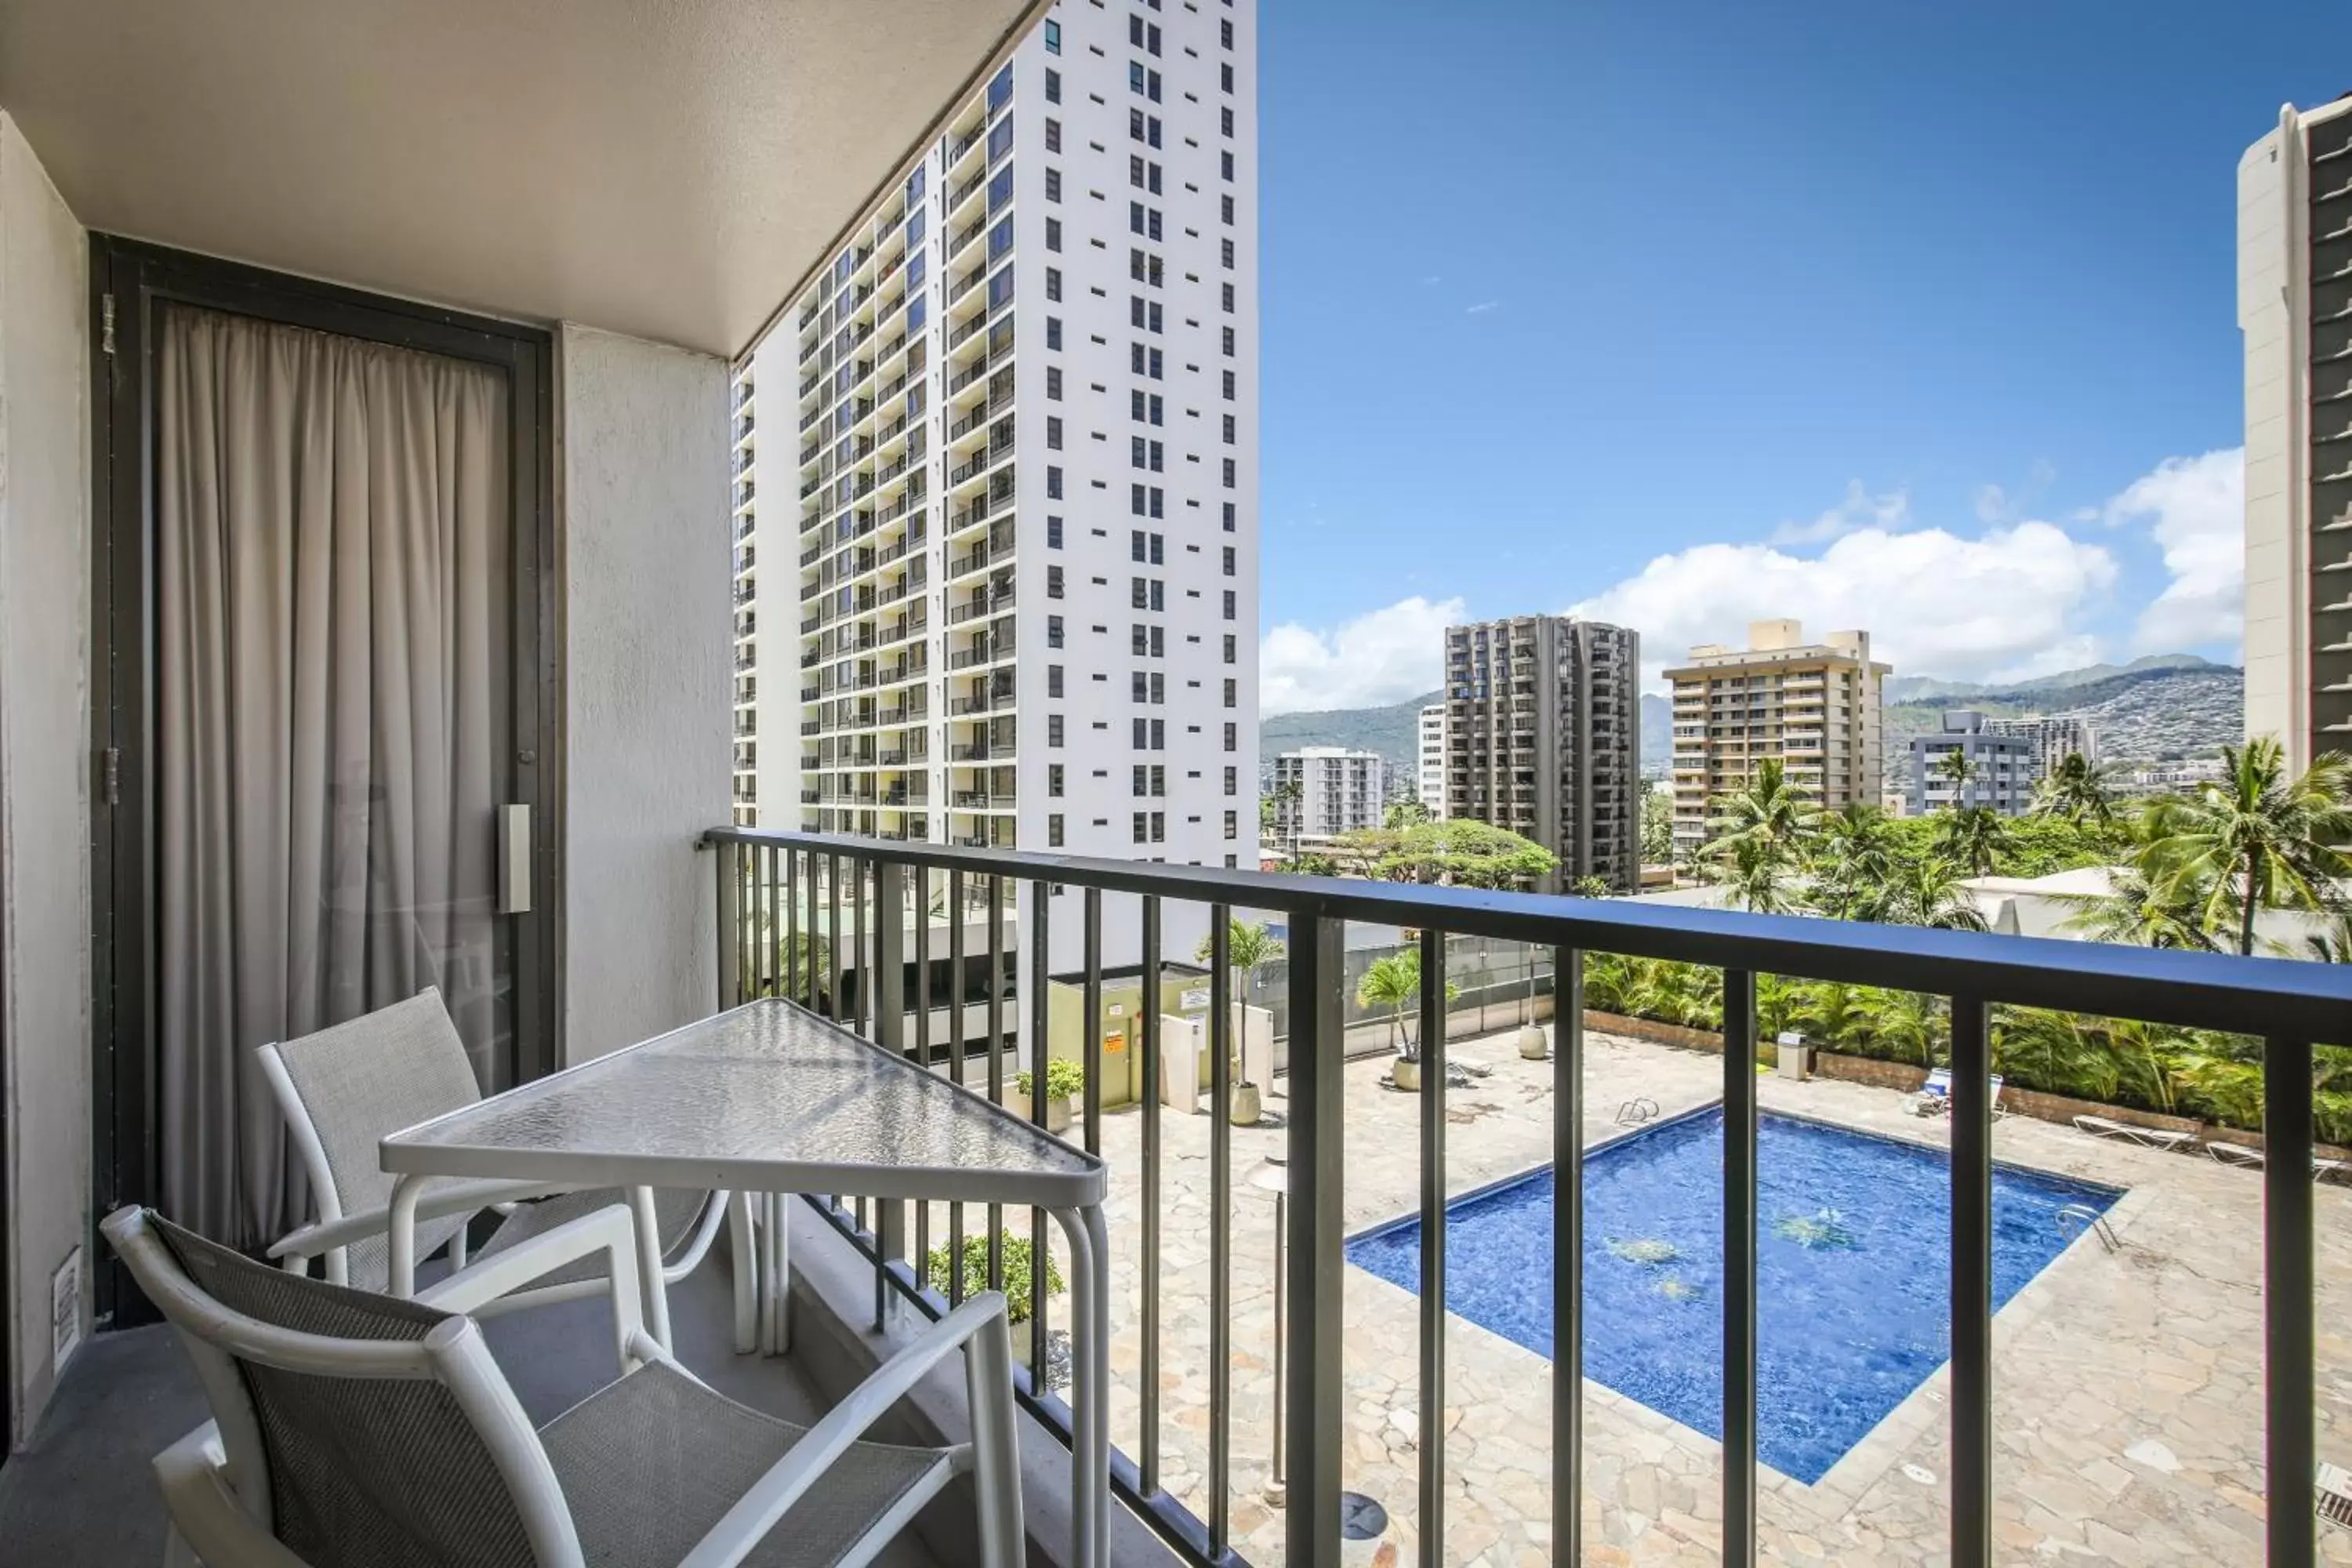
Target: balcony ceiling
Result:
[[666, 168]]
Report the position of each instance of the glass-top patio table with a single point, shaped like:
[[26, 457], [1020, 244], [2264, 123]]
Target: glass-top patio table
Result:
[[769, 1098]]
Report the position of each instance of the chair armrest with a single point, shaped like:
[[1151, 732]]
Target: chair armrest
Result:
[[610, 1230], [205, 1511], [455, 1197], [744, 1526]]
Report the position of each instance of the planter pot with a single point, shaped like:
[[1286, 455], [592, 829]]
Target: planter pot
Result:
[[1405, 1074], [1532, 1043], [1057, 1115], [1249, 1105]]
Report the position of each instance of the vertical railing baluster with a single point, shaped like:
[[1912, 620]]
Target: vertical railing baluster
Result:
[[2290, 1359], [1739, 1266], [1040, 1014], [1972, 1390], [1432, 1393], [833, 937], [859, 953], [920, 903], [1148, 1460], [1091, 1036], [1567, 1256], [771, 955], [729, 893], [1316, 1399], [888, 984], [793, 924], [956, 980], [1221, 1228], [996, 1058]]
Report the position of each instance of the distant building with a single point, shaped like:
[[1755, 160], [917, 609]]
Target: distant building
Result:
[[2054, 737], [2293, 297], [1336, 791], [1433, 759], [1543, 718], [1814, 706], [2171, 778], [2001, 774]]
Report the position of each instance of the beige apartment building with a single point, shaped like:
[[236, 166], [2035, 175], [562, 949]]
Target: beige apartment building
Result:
[[2294, 308], [1815, 705]]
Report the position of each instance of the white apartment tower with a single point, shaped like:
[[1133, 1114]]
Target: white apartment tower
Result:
[[1432, 772], [1320, 792], [997, 515], [2294, 307]]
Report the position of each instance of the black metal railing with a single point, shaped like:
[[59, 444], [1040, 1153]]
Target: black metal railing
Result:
[[783, 897]]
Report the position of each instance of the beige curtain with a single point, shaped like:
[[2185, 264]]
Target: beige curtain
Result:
[[333, 656]]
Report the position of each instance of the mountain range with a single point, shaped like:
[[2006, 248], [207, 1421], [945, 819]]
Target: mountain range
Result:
[[2161, 707]]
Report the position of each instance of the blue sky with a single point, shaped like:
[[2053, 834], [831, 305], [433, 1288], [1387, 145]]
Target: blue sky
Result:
[[1917, 318]]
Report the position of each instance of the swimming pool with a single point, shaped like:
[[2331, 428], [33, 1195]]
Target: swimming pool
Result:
[[1853, 1281]]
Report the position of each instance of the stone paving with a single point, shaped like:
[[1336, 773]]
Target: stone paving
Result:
[[2126, 1392]]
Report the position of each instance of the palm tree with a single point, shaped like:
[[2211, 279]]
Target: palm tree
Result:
[[1907, 1021], [2330, 944], [1762, 830], [2258, 839], [1957, 768], [1853, 864], [2142, 911], [2064, 1053], [1975, 837], [1832, 1012], [1928, 892], [1249, 947], [1393, 984], [2077, 791]]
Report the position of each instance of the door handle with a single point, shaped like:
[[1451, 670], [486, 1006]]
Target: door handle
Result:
[[514, 860]]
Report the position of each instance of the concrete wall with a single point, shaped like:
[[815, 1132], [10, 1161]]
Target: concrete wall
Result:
[[44, 754], [643, 475], [2276, 610]]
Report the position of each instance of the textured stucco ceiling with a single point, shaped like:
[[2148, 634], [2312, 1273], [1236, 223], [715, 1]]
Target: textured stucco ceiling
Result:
[[667, 168]]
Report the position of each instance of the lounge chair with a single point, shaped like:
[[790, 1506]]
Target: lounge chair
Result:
[[2241, 1154], [2146, 1137], [358, 1428], [1935, 1096]]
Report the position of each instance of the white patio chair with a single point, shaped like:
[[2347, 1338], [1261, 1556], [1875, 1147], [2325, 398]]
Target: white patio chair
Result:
[[2146, 1137], [345, 1087], [352, 1430]]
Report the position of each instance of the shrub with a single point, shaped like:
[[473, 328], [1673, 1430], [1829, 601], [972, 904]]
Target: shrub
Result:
[[1065, 1079], [940, 1270]]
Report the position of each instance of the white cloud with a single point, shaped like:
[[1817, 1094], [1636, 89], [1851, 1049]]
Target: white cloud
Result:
[[1934, 603], [1482, 307], [1382, 656], [1859, 509], [2199, 507]]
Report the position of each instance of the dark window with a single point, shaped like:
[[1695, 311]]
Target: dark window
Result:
[[1225, 120], [1053, 530], [1231, 517], [1225, 77], [1231, 647], [1053, 185], [1053, 233], [1139, 593], [1225, 207], [1053, 332], [1233, 779], [1053, 631], [1054, 287], [1053, 582], [1158, 827], [1233, 825], [1143, 735], [1054, 431], [1135, 546], [1225, 164], [1229, 571], [1053, 481], [1053, 680], [1224, 33], [1054, 779], [1230, 478], [1231, 381], [1053, 135], [1054, 728], [1054, 382], [1232, 693], [1050, 284], [1229, 429], [1000, 89], [1233, 736], [1138, 501], [1229, 605], [1054, 826], [1225, 252], [1054, 37], [1229, 343], [1142, 826], [1135, 452], [1054, 83]]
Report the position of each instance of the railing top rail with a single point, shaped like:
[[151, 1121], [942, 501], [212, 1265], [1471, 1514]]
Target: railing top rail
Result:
[[2269, 996]]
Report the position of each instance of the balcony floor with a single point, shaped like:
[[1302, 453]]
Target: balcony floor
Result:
[[81, 1491]]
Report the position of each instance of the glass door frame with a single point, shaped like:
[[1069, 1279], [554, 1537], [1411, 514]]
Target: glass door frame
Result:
[[130, 283]]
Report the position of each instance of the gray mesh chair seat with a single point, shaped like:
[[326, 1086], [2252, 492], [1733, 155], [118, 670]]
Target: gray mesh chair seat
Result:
[[650, 1463], [356, 1430], [344, 1088]]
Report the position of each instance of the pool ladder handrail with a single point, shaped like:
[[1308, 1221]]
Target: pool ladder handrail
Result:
[[2074, 1218], [1636, 1110]]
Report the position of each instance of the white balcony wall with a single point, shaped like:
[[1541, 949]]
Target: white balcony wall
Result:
[[44, 755]]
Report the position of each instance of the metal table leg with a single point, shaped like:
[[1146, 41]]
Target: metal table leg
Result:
[[776, 1275], [400, 1266], [1089, 1240], [651, 1284]]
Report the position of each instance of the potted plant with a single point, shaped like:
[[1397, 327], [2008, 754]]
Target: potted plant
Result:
[[939, 1272], [1249, 947], [1064, 1081], [1393, 984]]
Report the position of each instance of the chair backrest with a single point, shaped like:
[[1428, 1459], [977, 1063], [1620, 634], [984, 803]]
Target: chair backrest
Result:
[[1939, 1082], [363, 1431], [1994, 1082], [344, 1088]]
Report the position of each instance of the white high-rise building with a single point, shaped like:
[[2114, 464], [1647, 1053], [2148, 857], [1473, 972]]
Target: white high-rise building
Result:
[[2053, 738], [997, 499], [1320, 792], [2294, 307], [1431, 774]]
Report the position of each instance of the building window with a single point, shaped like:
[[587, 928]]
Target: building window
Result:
[[1229, 605], [1225, 77], [1230, 429], [1054, 730], [1054, 431], [1143, 735], [1053, 332], [1053, 481], [1135, 544], [1139, 593], [1135, 74], [1231, 382], [1054, 41], [1224, 32], [1233, 736], [1054, 285], [1053, 582], [1053, 185], [1232, 823], [1230, 474], [1233, 780], [1230, 514], [1229, 560], [1054, 829], [1232, 647], [1054, 779], [1053, 533], [1053, 233], [1054, 384], [1054, 84], [1225, 120], [1233, 691], [1142, 827], [1053, 631], [1226, 166], [1053, 680], [1227, 301], [1228, 340], [1158, 827], [1135, 452], [1225, 252]]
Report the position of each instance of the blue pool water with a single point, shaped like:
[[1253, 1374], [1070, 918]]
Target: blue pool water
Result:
[[1853, 1274]]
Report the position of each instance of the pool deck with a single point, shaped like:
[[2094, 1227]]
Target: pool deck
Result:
[[2127, 1386]]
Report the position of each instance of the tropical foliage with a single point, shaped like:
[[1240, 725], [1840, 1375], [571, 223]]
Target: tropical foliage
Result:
[[1458, 852], [941, 1269], [1392, 986]]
